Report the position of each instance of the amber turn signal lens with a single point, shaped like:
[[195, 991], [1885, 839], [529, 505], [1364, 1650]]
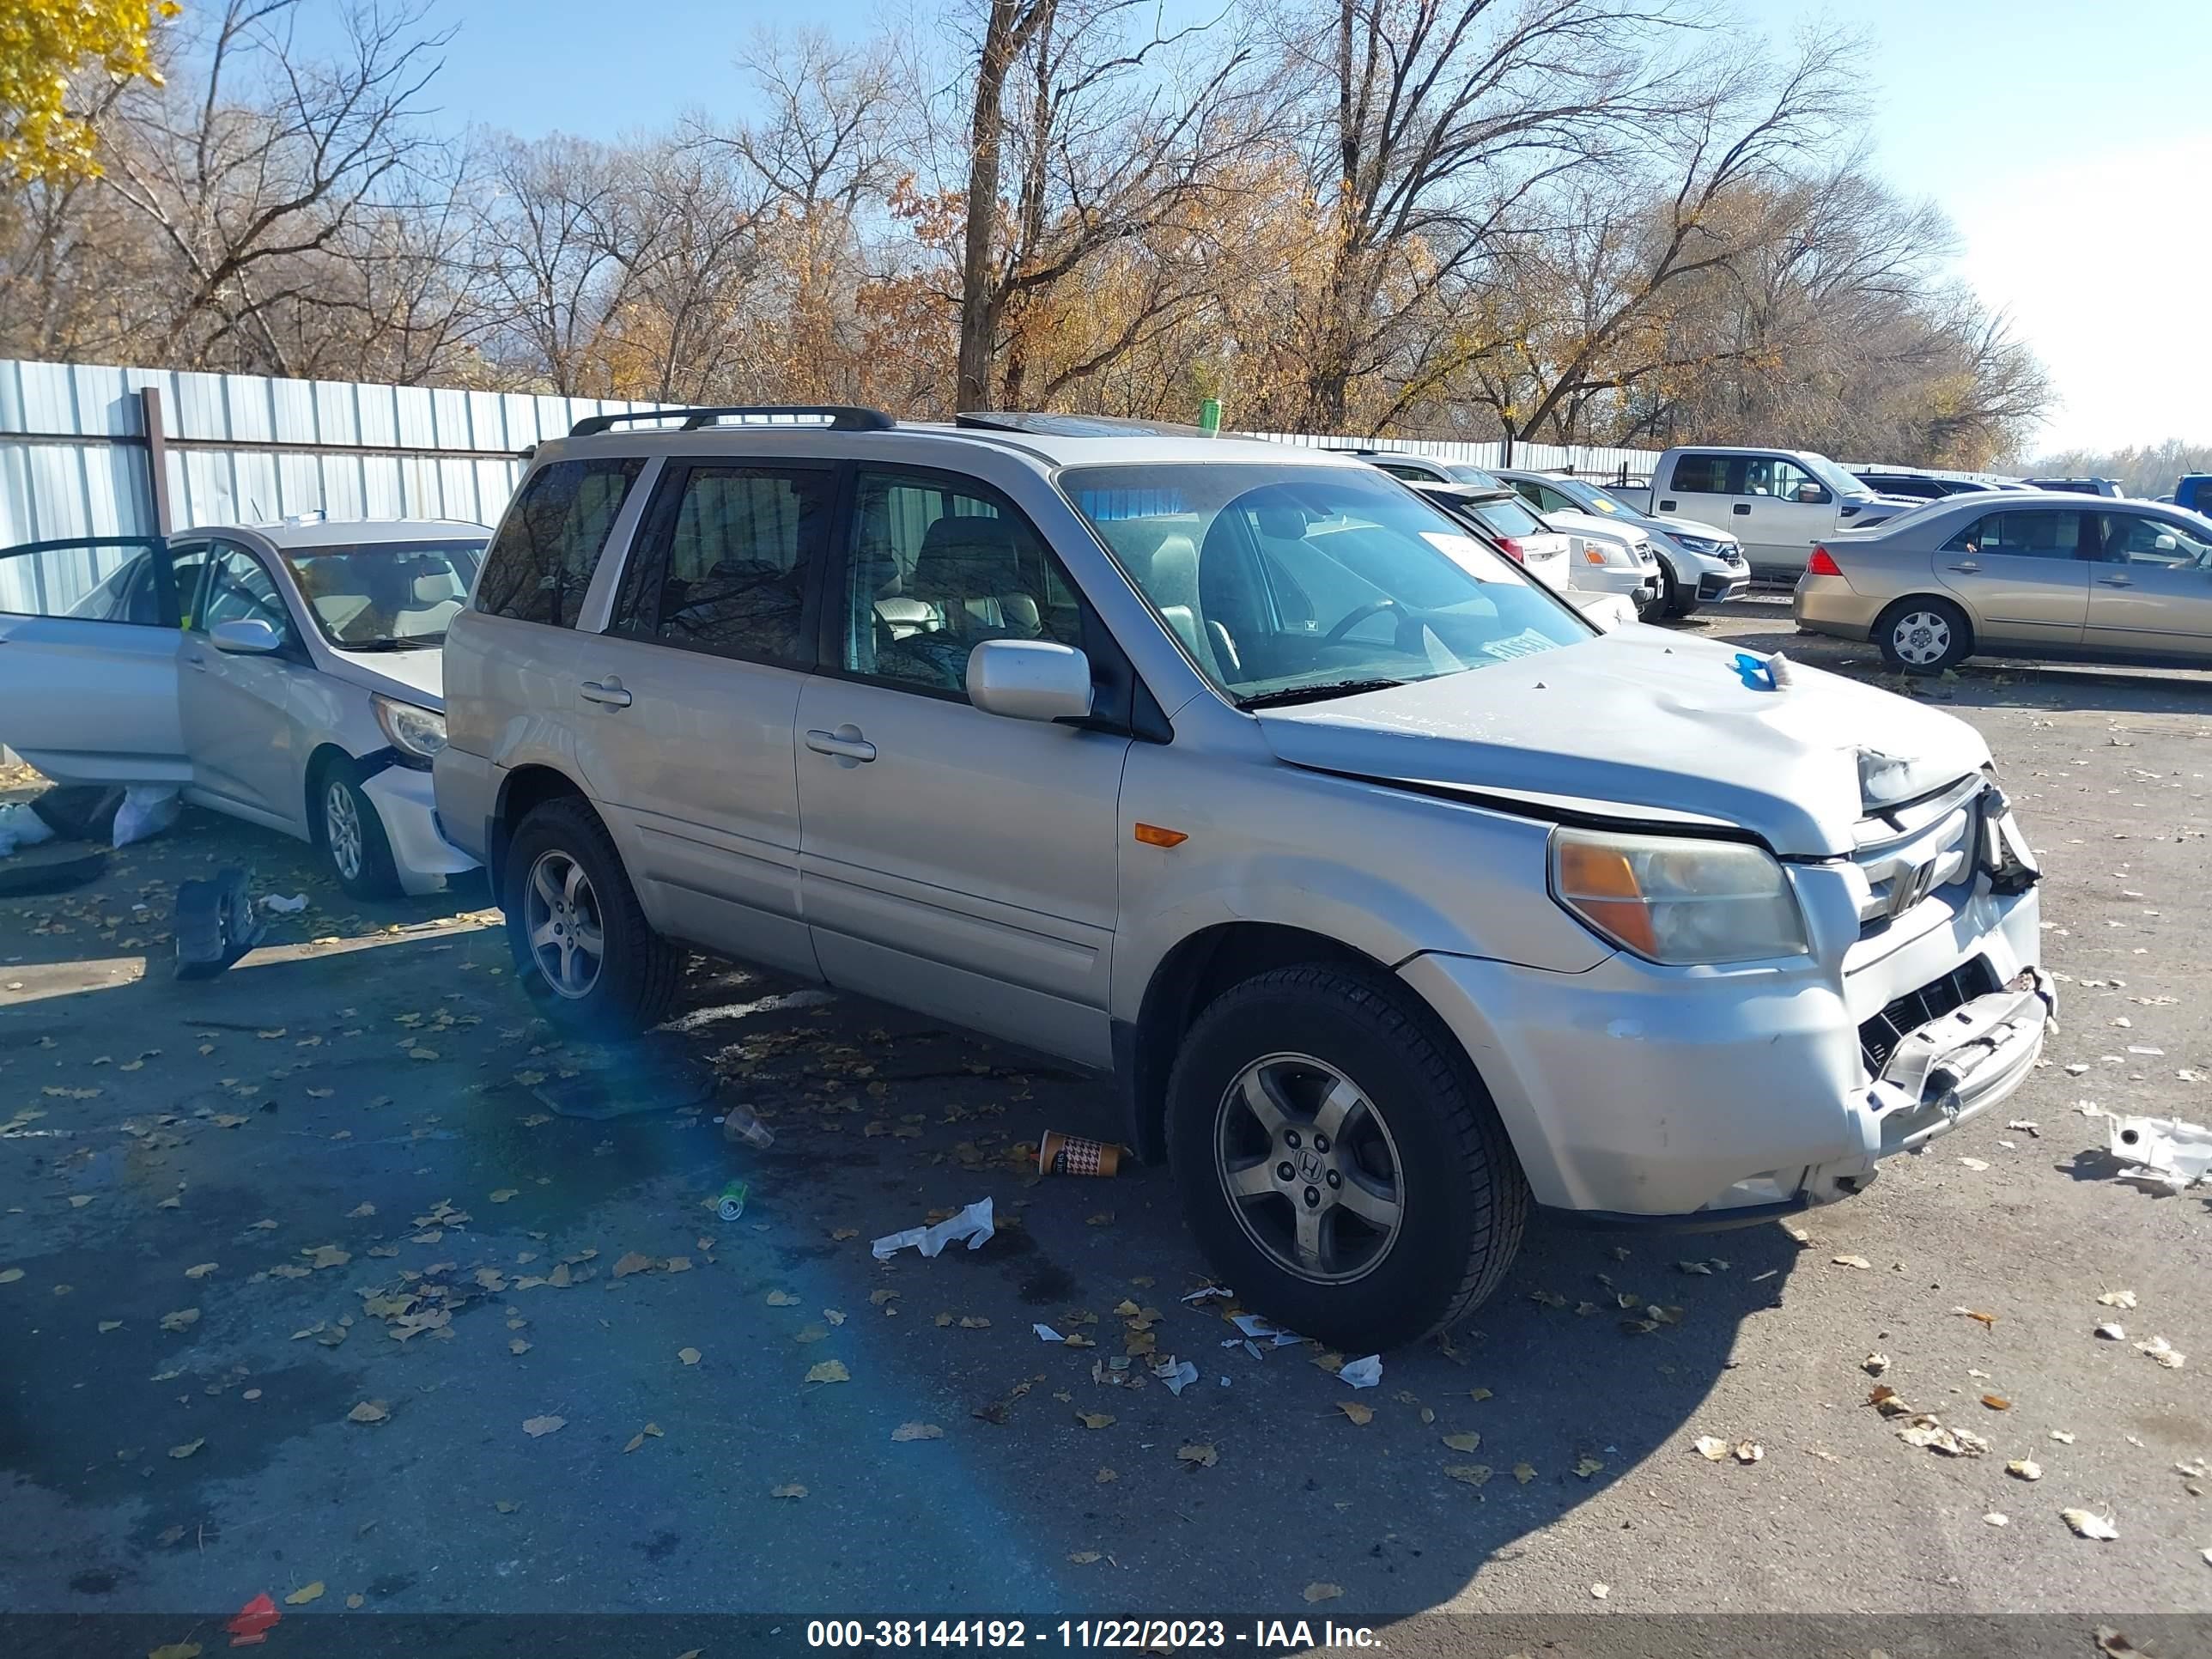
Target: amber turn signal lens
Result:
[[1152, 836], [1600, 883]]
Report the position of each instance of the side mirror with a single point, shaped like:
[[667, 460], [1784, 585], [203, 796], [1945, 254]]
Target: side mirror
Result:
[[249, 636], [2164, 544], [1812, 495], [1029, 680]]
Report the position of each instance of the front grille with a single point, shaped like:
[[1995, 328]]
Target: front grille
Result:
[[1879, 1035], [1907, 853]]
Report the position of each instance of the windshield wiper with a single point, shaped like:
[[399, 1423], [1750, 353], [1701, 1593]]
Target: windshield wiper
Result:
[[1315, 693], [417, 642]]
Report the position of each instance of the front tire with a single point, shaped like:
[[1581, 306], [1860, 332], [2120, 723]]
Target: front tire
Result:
[[581, 943], [1677, 599], [1402, 1206], [351, 834], [1924, 635]]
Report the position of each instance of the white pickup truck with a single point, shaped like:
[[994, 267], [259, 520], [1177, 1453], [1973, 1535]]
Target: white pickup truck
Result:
[[1779, 502]]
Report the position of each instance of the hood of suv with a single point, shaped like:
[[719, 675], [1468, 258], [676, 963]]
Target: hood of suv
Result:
[[1677, 527], [1642, 722]]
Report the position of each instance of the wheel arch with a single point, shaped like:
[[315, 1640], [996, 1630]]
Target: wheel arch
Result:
[[1192, 973], [521, 792], [326, 755]]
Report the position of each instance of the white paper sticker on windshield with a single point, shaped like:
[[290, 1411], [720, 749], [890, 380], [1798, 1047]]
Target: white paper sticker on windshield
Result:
[[1526, 643]]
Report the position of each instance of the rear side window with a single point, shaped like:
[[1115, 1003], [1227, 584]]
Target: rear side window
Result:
[[724, 565], [1701, 475], [541, 560], [2022, 535]]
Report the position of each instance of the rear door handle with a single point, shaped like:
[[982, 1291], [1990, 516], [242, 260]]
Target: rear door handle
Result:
[[845, 742], [1741, 510], [608, 692], [1968, 565], [2116, 581]]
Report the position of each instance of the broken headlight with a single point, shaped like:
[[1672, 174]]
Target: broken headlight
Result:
[[417, 733], [1675, 900]]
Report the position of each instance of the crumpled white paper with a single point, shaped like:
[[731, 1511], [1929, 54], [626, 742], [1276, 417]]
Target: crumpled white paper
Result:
[[973, 1224]]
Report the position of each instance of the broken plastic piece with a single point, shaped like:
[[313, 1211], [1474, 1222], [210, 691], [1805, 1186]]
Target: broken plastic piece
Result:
[[1045, 1333], [2164, 1151], [1364, 1373], [284, 907], [1178, 1375], [1208, 1293], [973, 1224], [1265, 1330], [251, 1622]]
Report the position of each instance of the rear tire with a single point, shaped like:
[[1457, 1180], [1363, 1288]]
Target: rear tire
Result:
[[1924, 635], [1396, 1227], [582, 946]]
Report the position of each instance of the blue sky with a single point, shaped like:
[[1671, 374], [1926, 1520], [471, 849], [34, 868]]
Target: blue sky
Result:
[[2070, 141]]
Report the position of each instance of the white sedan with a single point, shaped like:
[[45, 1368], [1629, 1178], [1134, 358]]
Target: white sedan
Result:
[[287, 674]]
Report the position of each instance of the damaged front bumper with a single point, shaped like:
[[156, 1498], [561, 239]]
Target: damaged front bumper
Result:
[[1704, 1098]]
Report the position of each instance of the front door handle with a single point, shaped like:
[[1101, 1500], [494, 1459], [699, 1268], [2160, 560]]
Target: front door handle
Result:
[[196, 660], [609, 692], [2116, 581], [845, 742], [1968, 565], [1741, 510]]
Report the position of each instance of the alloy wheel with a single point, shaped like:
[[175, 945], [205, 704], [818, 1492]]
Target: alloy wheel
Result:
[[1309, 1168], [341, 829], [561, 917]]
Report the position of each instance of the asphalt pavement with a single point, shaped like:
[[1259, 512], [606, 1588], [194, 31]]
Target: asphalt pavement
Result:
[[307, 1288]]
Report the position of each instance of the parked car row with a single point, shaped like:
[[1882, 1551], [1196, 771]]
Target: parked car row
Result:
[[1371, 872]]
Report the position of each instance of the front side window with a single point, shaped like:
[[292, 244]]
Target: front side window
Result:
[[241, 589], [87, 582], [541, 558], [727, 562], [1293, 583], [2132, 538], [384, 596], [937, 568], [1780, 480], [2019, 535]]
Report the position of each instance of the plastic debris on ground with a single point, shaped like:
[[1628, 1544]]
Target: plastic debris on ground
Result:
[[21, 826], [146, 811], [2162, 1150], [1208, 1293], [1045, 1333], [215, 924], [1264, 1330], [251, 1622], [973, 1224], [284, 907], [1178, 1375], [730, 1202], [1362, 1373], [740, 1126]]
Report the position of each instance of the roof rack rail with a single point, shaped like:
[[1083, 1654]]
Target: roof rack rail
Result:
[[842, 418]]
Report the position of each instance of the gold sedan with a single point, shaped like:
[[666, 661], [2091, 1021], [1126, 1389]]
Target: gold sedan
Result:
[[2063, 577]]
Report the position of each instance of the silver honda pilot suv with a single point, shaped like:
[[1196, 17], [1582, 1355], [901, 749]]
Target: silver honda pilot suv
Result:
[[1396, 898]]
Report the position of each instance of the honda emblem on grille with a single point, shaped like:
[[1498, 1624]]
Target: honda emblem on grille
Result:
[[1908, 887]]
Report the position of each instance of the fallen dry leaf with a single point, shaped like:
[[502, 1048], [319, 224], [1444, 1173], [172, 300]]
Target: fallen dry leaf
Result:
[[1997, 1402], [1082, 1557], [775, 1298], [1094, 1419], [1749, 1451], [2087, 1524], [516, 1344], [1198, 1456], [1467, 1442], [1986, 1320], [369, 1411], [535, 1427], [188, 1447], [1874, 1364], [1712, 1451], [305, 1594], [2024, 1468], [174, 1650], [1363, 1415], [1473, 1474], [503, 1194], [1105, 1476], [1601, 1591], [917, 1431], [689, 1355], [1851, 1261], [2119, 1298], [787, 1492], [9, 1275], [632, 1262], [183, 1319], [1524, 1472], [1588, 1465], [1320, 1592], [830, 1370]]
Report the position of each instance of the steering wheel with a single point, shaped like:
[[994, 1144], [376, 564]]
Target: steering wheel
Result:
[[1353, 618]]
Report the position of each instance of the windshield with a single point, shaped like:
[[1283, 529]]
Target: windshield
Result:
[[1507, 515], [386, 595], [1294, 583], [1593, 499], [1474, 475], [1834, 476]]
